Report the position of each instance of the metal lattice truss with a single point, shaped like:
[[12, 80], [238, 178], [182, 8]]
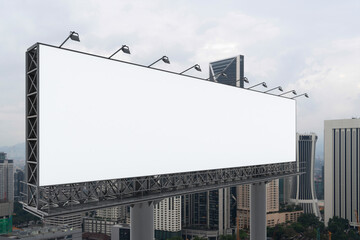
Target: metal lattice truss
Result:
[[80, 197]]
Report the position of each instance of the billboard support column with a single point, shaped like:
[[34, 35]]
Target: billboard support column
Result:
[[258, 211], [142, 221]]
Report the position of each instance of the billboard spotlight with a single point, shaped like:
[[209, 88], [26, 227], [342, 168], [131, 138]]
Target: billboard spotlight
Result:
[[124, 48], [73, 36], [196, 66], [164, 58], [291, 91], [304, 94], [279, 88], [262, 83]]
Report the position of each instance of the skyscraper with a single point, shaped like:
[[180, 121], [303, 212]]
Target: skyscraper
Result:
[[303, 190], [167, 218], [285, 185], [243, 201], [342, 180], [228, 71], [6, 193], [19, 187], [210, 211]]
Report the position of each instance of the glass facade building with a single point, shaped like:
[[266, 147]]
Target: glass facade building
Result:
[[228, 71]]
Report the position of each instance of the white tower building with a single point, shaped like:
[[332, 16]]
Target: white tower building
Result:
[[342, 172], [303, 191]]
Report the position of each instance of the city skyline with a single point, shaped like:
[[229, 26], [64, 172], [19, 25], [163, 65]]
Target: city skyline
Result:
[[307, 47]]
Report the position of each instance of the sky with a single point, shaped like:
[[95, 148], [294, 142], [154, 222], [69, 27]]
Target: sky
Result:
[[309, 46]]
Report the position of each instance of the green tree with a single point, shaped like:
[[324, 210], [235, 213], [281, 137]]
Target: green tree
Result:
[[353, 234], [298, 227], [337, 226], [243, 234], [309, 220], [289, 232], [21, 216], [277, 232]]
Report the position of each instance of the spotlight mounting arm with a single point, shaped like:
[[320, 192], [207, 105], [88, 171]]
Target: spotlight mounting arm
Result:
[[73, 36], [165, 59], [304, 94], [262, 83], [196, 66], [124, 48], [278, 87], [291, 91]]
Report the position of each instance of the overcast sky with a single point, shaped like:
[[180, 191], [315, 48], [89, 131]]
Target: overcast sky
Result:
[[309, 46]]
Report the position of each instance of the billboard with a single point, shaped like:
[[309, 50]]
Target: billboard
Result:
[[104, 119]]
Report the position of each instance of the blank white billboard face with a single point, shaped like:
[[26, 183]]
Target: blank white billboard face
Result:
[[102, 119]]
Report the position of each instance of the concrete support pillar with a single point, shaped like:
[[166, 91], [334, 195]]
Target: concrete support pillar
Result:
[[258, 211], [142, 221]]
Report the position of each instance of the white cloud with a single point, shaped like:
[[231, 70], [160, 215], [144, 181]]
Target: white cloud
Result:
[[282, 46], [331, 77]]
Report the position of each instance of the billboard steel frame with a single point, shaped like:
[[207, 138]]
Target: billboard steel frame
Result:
[[46, 201]]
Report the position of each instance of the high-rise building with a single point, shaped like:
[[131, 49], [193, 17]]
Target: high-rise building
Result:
[[167, 218], [6, 193], [98, 225], [7, 178], [243, 202], [119, 214], [228, 71], [19, 187], [210, 211], [285, 185], [303, 190], [105, 219], [243, 206], [342, 172]]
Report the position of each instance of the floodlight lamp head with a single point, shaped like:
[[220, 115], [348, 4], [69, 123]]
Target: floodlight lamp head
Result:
[[125, 49], [74, 36], [294, 92], [304, 94], [245, 79], [280, 89], [197, 67], [165, 59]]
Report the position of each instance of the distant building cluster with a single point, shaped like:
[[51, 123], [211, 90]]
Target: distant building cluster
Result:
[[6, 193]]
